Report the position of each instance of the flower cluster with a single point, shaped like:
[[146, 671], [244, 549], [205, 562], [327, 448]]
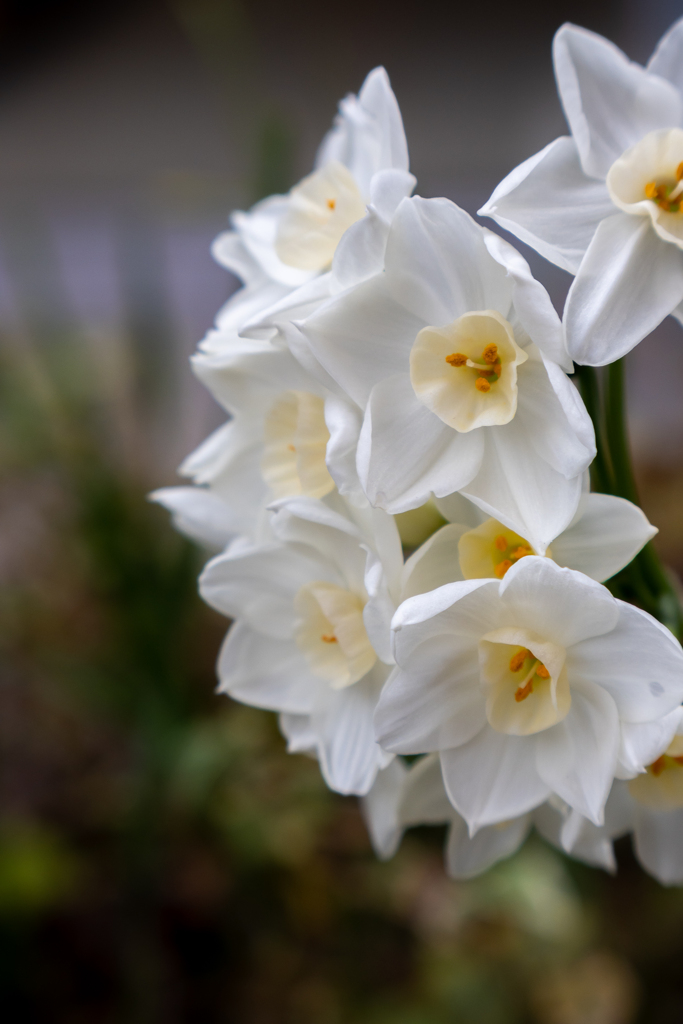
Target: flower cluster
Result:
[[407, 541]]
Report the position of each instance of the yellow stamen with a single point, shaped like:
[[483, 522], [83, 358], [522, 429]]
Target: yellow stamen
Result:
[[542, 671], [481, 384], [457, 359], [502, 568], [521, 552], [491, 354], [518, 659], [327, 639], [501, 542], [651, 189], [522, 692]]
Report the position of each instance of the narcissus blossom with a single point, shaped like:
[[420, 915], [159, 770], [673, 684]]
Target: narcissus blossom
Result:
[[605, 203], [284, 242], [528, 687], [276, 445], [311, 638], [604, 536], [456, 355], [650, 806]]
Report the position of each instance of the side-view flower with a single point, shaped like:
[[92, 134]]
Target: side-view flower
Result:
[[399, 505], [604, 202]]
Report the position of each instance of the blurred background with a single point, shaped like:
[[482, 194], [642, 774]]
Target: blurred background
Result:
[[161, 858]]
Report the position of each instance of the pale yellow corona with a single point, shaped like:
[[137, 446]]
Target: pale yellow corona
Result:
[[332, 635], [320, 209], [295, 443], [466, 371]]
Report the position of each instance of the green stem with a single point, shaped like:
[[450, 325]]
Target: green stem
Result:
[[601, 471], [645, 576]]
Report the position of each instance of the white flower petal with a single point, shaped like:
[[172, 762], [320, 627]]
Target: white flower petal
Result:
[[468, 857], [405, 452], [264, 672], [297, 731], [199, 514], [437, 265], [368, 133], [609, 102], [555, 418], [259, 585], [493, 778], [667, 59], [520, 489], [643, 743], [435, 563], [531, 302], [463, 610], [640, 664], [606, 535], [379, 808], [435, 701], [362, 337], [560, 605], [628, 282], [349, 756], [549, 203], [658, 843], [423, 800], [577, 757]]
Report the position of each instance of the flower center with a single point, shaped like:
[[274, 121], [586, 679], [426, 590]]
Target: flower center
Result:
[[490, 550], [525, 681], [661, 787], [487, 370], [667, 195], [331, 634], [466, 371], [647, 181], [320, 209], [296, 437]]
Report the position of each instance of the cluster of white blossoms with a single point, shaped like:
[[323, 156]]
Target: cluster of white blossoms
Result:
[[407, 542]]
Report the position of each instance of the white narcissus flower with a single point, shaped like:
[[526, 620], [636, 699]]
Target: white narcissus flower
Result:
[[404, 797], [605, 203], [455, 352], [285, 427], [536, 685], [650, 806], [312, 637], [605, 535], [285, 242]]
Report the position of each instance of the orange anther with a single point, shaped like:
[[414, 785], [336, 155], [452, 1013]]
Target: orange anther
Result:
[[502, 568], [456, 359], [651, 190], [679, 171], [542, 672], [291, 448], [327, 639], [521, 552], [522, 692], [481, 384], [501, 542], [491, 354], [331, 203], [658, 766], [518, 659]]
